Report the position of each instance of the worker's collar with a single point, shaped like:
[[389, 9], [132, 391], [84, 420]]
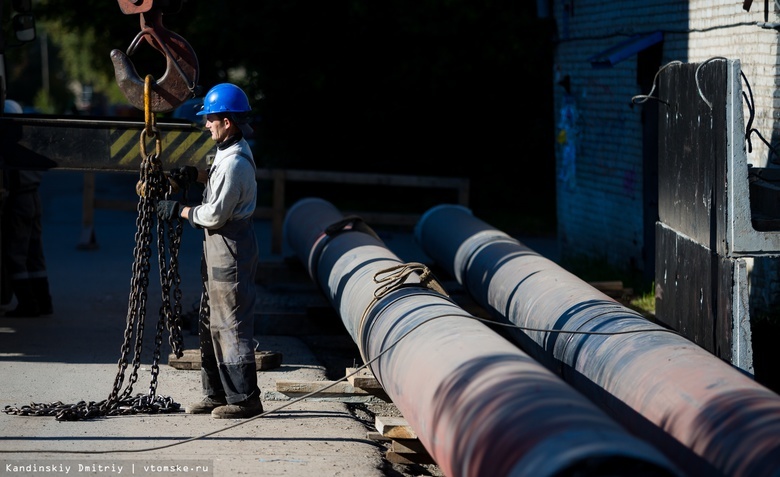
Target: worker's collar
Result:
[[229, 141]]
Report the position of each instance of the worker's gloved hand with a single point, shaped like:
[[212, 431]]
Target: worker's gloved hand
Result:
[[189, 173], [182, 177], [167, 209]]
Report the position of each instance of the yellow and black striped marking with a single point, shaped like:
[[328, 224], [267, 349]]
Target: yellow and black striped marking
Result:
[[190, 147]]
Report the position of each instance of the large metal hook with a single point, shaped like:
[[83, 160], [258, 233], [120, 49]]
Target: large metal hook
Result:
[[180, 80], [131, 7]]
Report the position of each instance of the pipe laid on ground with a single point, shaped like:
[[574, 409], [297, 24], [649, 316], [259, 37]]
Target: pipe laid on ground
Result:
[[646, 379], [478, 404]]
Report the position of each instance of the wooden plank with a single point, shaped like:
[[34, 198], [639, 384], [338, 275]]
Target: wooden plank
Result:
[[191, 360], [364, 379], [394, 427], [613, 289], [615, 285], [323, 388], [408, 459], [377, 436], [408, 446]]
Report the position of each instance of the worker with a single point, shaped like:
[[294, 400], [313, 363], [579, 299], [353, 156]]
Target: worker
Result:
[[23, 261], [229, 259]]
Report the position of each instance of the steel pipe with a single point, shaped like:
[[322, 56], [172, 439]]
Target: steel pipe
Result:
[[645, 376], [479, 404]]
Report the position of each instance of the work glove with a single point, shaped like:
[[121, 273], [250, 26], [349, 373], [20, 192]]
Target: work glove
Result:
[[189, 173], [167, 209], [182, 177]]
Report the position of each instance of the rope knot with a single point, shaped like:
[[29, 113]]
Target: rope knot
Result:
[[396, 277]]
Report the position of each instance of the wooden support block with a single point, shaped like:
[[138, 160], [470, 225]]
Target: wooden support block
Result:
[[612, 289], [191, 360], [377, 436], [322, 388], [408, 446], [394, 427], [607, 285], [405, 447], [615, 285], [408, 459], [363, 379]]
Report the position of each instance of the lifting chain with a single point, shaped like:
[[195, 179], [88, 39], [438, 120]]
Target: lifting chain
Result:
[[120, 402]]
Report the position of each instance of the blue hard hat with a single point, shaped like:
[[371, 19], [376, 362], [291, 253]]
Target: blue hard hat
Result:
[[12, 107], [225, 98]]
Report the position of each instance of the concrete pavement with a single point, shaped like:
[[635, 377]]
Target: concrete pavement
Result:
[[73, 355]]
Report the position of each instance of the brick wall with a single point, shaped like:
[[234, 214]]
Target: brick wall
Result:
[[599, 129]]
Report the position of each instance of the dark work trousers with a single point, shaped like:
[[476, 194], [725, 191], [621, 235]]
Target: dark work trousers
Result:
[[229, 264], [22, 236]]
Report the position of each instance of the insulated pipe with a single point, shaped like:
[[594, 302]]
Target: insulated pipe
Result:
[[645, 376], [478, 404]]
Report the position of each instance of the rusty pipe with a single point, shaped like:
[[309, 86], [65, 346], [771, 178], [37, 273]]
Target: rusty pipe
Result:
[[478, 403], [648, 379]]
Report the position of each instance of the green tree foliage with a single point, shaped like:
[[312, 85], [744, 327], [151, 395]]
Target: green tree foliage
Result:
[[80, 62]]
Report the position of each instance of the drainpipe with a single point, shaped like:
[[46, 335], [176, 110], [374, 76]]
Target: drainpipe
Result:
[[478, 404], [647, 377]]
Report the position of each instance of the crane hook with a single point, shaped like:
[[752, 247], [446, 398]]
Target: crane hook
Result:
[[175, 87]]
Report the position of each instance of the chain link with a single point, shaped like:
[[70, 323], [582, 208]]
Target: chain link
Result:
[[120, 402]]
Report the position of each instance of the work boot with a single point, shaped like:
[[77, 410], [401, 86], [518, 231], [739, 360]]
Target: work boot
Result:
[[241, 410], [27, 305], [40, 289], [208, 404]]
